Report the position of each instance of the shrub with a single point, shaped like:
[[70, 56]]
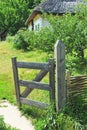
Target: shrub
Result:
[[9, 38], [20, 42], [26, 40]]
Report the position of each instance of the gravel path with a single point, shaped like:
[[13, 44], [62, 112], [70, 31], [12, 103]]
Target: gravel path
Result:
[[13, 117]]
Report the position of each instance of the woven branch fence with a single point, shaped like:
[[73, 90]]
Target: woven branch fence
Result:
[[77, 86]]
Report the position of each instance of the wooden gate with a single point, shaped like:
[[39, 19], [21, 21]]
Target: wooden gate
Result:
[[35, 84]]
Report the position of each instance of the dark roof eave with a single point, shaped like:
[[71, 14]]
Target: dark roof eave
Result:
[[30, 18]]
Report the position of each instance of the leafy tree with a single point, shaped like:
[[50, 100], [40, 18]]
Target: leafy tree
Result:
[[13, 13]]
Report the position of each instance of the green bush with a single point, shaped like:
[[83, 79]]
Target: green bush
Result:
[[28, 40], [9, 38], [20, 42], [45, 39]]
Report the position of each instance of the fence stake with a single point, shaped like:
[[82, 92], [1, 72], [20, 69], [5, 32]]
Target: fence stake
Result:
[[52, 80], [15, 75], [60, 75]]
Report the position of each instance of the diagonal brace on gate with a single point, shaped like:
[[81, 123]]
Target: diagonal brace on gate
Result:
[[38, 78], [45, 68]]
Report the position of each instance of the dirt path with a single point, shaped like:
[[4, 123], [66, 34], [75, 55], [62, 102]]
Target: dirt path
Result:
[[13, 117]]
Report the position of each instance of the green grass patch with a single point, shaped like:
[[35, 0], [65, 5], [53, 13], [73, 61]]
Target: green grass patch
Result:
[[7, 89]]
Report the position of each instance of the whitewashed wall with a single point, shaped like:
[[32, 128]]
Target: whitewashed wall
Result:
[[30, 27], [39, 23]]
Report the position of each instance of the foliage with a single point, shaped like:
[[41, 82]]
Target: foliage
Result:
[[76, 108], [29, 40], [13, 14], [72, 30], [72, 117], [19, 41], [3, 126]]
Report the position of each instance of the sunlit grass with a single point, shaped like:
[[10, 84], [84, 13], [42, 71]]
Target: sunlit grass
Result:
[[7, 89]]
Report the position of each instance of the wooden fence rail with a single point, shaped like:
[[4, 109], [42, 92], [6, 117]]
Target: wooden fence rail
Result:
[[35, 84]]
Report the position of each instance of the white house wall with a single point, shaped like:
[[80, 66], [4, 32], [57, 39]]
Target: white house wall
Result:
[[39, 23], [45, 23]]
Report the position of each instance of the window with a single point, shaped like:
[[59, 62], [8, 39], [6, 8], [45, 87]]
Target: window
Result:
[[37, 27]]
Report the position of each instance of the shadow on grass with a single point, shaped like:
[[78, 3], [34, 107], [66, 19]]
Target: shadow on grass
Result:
[[77, 109], [33, 112]]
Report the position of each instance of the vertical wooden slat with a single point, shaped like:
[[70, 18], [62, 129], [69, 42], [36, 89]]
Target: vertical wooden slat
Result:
[[15, 75], [60, 75], [52, 79]]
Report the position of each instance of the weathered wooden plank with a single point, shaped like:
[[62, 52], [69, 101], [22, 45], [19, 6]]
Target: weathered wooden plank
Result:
[[80, 76], [34, 84], [38, 78], [33, 103], [60, 75], [33, 65], [16, 78], [78, 84], [78, 79], [52, 79], [76, 88]]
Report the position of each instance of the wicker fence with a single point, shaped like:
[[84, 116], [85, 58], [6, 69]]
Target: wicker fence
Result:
[[77, 86]]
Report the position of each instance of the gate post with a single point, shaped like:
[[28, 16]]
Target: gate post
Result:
[[60, 75], [16, 78], [52, 80]]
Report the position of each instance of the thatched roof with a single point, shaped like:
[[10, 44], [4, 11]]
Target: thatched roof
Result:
[[54, 7]]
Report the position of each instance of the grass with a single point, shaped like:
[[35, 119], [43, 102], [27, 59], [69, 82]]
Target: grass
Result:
[[6, 76]]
